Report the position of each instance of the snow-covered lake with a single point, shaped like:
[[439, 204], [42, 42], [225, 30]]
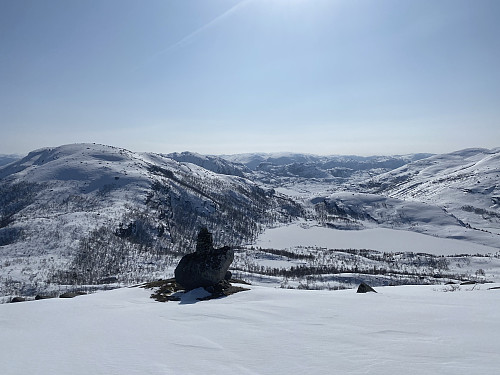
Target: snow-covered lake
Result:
[[409, 329], [380, 239]]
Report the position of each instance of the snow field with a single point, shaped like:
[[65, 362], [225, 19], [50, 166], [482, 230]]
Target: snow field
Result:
[[410, 329]]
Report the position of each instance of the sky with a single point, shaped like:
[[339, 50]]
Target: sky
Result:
[[236, 76]]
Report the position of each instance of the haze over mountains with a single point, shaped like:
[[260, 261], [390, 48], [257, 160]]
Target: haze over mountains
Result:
[[6, 159], [81, 213]]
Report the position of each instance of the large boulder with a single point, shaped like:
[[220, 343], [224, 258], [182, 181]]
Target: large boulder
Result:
[[205, 267], [365, 288]]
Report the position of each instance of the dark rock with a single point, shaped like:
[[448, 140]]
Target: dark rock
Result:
[[204, 242], [39, 297], [72, 294], [365, 288], [205, 267], [17, 299], [165, 290], [228, 276], [220, 287], [68, 295]]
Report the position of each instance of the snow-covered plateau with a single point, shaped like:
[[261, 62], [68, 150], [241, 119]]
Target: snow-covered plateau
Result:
[[404, 329], [82, 216]]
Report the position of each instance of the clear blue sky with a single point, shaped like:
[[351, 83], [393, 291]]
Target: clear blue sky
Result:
[[227, 76]]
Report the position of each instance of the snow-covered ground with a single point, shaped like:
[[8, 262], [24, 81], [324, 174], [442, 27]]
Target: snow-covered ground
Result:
[[409, 329], [380, 239]]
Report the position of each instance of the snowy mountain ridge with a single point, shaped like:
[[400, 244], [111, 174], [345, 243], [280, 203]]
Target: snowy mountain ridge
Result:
[[282, 166], [78, 214], [212, 163], [465, 183], [89, 211]]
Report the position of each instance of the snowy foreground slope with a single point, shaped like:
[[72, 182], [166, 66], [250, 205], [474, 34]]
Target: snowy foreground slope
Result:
[[406, 329]]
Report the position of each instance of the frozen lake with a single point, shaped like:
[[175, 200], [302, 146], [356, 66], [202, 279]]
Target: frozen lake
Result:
[[380, 239]]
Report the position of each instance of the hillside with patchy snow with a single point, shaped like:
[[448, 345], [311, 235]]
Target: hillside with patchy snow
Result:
[[464, 183], [81, 213], [78, 215]]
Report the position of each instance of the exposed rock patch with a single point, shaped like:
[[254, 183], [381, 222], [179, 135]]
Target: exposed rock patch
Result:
[[72, 294], [365, 288], [17, 299], [170, 290], [39, 297]]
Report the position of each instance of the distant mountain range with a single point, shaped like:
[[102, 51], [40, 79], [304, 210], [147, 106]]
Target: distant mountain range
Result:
[[464, 183], [6, 159], [78, 214], [260, 161]]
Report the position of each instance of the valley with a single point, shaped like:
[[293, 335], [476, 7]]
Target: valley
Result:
[[74, 216]]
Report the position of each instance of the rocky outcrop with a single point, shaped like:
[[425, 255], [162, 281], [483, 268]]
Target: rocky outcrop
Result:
[[72, 294], [169, 290], [207, 266], [40, 296], [365, 288], [17, 299]]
